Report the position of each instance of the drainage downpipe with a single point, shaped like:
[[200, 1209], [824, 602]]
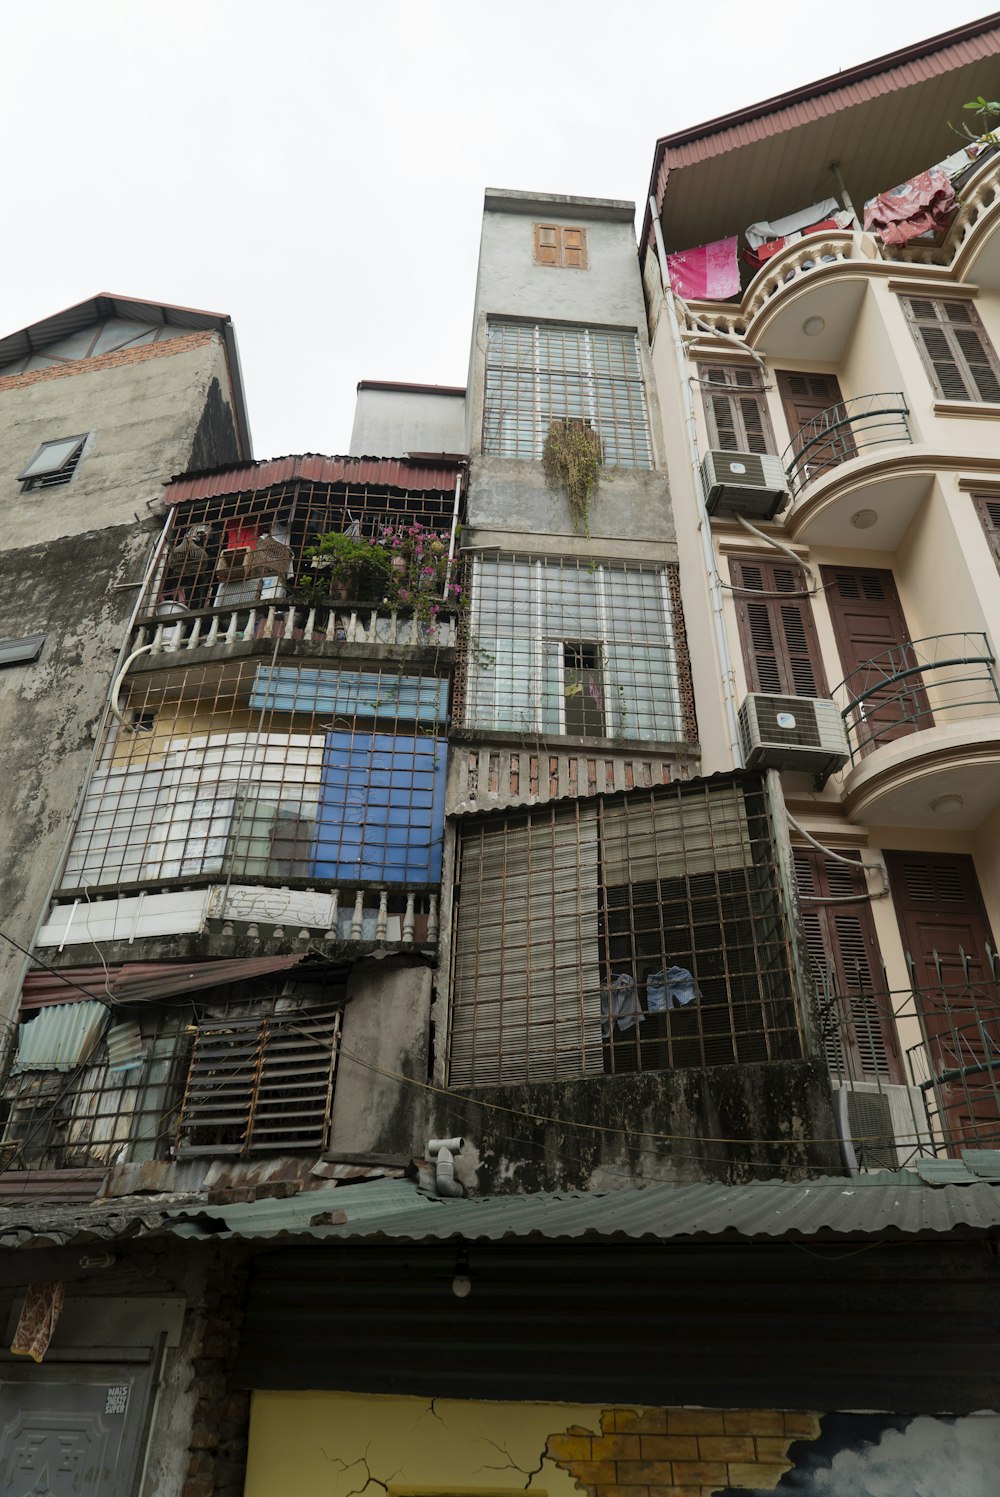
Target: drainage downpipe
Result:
[[704, 527]]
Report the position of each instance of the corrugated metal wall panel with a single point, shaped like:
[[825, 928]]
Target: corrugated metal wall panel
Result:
[[61, 1037]]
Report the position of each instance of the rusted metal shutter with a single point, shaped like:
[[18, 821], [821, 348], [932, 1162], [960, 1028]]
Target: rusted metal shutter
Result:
[[780, 647], [261, 1084], [953, 344]]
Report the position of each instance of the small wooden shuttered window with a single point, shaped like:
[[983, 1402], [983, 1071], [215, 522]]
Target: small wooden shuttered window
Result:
[[558, 245], [780, 647], [856, 1026], [957, 354], [261, 1084], [736, 409], [988, 509]]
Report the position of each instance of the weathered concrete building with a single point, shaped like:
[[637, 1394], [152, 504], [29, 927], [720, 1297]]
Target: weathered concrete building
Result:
[[443, 1027], [99, 405]]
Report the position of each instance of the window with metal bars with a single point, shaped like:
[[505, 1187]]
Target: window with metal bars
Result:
[[261, 1083], [643, 931], [856, 1023], [124, 1095], [561, 646], [53, 464], [267, 773], [236, 550], [736, 408], [544, 372], [780, 647], [957, 354]]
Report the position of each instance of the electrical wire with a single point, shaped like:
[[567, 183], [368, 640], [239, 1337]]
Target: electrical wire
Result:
[[94, 997], [608, 1128]]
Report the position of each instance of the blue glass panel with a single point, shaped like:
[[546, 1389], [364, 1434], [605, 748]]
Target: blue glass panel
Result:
[[370, 823], [363, 694]]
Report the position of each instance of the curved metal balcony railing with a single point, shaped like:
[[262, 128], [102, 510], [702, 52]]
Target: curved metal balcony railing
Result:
[[841, 432], [912, 686]]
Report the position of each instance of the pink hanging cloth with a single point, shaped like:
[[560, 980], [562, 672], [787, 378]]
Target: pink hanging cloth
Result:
[[709, 273], [923, 205]]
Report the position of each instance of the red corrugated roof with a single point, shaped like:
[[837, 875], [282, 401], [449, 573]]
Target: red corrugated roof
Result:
[[379, 472]]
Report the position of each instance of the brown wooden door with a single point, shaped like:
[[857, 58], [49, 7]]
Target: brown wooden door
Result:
[[856, 1026], [877, 656], [817, 421], [949, 944]]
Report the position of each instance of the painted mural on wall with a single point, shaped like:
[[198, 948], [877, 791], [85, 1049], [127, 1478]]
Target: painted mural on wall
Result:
[[345, 1445]]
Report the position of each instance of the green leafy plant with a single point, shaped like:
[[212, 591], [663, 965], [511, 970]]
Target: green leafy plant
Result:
[[346, 568], [421, 579], [988, 113], [572, 460]]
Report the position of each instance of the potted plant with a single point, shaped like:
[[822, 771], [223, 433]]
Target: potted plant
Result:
[[346, 569]]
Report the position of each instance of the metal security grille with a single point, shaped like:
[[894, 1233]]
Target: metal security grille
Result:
[[255, 771], [537, 374], [121, 1104], [644, 931], [260, 1083], [588, 649], [239, 549]]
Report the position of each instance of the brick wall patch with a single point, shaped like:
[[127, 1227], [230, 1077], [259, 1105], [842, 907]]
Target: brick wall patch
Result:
[[137, 355], [680, 1452]]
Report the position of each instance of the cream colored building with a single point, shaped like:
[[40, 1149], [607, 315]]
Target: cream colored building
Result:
[[852, 387]]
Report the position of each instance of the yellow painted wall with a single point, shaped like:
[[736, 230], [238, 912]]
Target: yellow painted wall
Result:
[[333, 1444]]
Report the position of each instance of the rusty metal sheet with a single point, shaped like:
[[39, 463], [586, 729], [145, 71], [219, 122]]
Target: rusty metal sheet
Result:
[[390, 473]]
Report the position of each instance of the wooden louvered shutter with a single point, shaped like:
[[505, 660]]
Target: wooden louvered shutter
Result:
[[955, 348], [780, 647], [988, 510], [857, 1028], [736, 409], [546, 244], [875, 648], [574, 248]]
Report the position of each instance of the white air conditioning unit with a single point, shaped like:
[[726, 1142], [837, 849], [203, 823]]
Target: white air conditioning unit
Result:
[[881, 1126], [793, 733], [743, 483]]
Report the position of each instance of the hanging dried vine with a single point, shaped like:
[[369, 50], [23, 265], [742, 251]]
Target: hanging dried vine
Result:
[[572, 459]]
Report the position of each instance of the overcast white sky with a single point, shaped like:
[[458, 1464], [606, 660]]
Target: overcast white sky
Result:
[[315, 168]]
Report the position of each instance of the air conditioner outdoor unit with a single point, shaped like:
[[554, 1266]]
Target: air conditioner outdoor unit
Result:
[[743, 483], [881, 1126], [793, 733]]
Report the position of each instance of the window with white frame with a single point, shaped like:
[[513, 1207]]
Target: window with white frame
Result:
[[544, 372], [54, 463], [581, 648]]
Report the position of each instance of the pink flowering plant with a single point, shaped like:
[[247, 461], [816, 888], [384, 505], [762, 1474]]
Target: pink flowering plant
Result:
[[420, 579], [404, 567]]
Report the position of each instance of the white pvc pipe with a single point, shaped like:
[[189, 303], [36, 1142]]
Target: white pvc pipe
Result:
[[704, 526]]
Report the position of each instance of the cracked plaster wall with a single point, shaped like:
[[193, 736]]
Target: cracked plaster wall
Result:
[[349, 1445]]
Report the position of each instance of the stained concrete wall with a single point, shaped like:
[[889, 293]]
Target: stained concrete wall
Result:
[[387, 1024], [69, 559], [393, 422]]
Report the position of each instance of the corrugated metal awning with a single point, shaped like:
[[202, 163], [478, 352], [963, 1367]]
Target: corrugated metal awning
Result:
[[379, 472], [61, 1037], [139, 982]]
